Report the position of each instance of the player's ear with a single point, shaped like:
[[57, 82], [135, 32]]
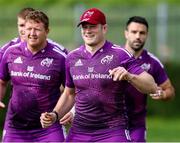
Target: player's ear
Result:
[[105, 28], [47, 30], [125, 33]]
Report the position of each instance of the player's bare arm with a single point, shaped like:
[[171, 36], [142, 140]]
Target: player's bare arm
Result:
[[67, 119], [3, 85], [165, 91], [144, 82], [63, 106]]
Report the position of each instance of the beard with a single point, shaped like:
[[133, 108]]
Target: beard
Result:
[[137, 47]]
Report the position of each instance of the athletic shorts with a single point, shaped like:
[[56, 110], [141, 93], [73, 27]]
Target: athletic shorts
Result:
[[51, 134], [103, 135], [138, 134]]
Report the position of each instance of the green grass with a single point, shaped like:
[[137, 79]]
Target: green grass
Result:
[[163, 129]]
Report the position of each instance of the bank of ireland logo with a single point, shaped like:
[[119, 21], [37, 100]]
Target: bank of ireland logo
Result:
[[107, 59], [90, 69], [30, 68], [47, 62]]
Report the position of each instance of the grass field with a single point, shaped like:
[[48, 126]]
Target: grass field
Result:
[[160, 129], [163, 130]]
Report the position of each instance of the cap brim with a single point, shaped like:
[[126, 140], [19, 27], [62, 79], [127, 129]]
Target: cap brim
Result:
[[88, 21]]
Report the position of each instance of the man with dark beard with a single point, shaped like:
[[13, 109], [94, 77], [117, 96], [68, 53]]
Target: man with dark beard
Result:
[[136, 33]]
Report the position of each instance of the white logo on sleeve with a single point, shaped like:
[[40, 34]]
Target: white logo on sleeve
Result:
[[46, 62], [18, 60]]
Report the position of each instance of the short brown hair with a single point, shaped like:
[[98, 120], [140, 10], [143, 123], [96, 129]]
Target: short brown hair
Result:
[[38, 16], [137, 19], [23, 12]]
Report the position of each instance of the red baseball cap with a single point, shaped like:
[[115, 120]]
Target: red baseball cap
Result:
[[93, 16]]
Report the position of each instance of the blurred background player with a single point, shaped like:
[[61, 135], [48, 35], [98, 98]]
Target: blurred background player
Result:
[[21, 32], [96, 76], [136, 33], [36, 69]]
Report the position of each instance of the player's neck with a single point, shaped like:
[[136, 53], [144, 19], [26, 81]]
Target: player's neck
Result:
[[135, 53], [94, 48], [36, 48]]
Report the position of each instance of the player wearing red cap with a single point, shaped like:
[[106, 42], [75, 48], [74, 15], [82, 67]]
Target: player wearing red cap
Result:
[[96, 77]]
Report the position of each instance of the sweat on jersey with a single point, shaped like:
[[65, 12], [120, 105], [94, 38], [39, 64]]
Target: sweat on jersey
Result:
[[100, 101], [35, 80]]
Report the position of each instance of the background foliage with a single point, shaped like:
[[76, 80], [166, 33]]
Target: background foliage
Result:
[[64, 15]]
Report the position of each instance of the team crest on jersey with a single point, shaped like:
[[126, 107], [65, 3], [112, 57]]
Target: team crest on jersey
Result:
[[78, 63], [46, 62], [18, 60], [146, 66], [107, 59]]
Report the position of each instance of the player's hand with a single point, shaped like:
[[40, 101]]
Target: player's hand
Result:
[[67, 119], [158, 95], [47, 119], [2, 105], [119, 73]]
